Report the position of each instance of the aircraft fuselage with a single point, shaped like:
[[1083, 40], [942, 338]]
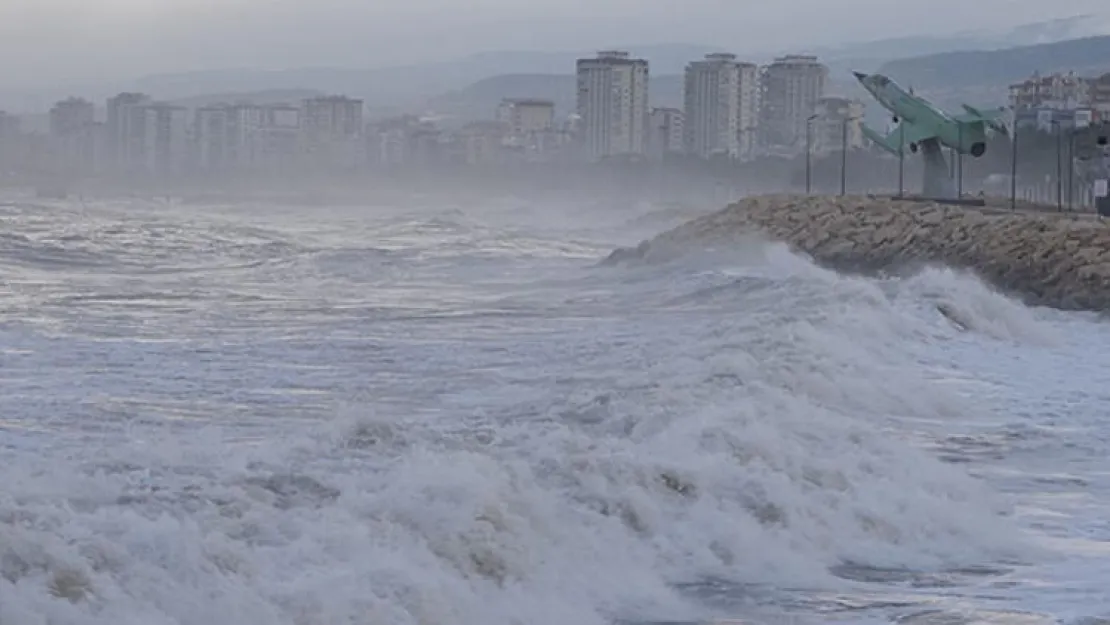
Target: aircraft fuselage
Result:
[[966, 137]]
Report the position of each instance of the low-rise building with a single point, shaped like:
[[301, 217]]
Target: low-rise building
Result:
[[838, 122], [667, 136]]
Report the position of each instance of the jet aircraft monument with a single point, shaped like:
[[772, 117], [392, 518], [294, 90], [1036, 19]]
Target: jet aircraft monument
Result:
[[924, 128]]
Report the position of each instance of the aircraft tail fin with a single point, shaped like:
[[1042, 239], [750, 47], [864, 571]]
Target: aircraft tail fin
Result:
[[879, 139]]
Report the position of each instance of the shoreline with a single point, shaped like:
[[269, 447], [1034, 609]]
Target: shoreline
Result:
[[1042, 257]]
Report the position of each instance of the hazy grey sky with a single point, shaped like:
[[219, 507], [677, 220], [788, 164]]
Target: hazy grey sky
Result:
[[51, 41]]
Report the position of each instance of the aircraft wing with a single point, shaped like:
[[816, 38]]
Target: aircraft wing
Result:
[[992, 118], [895, 141]]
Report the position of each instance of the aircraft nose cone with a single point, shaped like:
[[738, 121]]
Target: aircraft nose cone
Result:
[[859, 76]]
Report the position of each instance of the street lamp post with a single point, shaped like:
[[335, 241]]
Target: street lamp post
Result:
[[1059, 168], [1013, 164], [1071, 169], [960, 163], [844, 155], [809, 152], [901, 160]]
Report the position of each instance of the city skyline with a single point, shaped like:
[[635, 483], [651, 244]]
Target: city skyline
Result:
[[733, 109]]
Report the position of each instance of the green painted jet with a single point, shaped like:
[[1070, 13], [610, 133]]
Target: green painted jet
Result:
[[919, 121]]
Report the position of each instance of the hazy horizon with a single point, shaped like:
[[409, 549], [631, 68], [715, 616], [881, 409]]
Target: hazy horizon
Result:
[[120, 40]]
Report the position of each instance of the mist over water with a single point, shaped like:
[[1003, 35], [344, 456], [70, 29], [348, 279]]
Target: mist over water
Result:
[[428, 412]]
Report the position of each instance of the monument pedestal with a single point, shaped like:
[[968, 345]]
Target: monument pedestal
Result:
[[937, 183]]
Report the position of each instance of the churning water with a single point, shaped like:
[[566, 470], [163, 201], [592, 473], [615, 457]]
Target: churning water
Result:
[[259, 415]]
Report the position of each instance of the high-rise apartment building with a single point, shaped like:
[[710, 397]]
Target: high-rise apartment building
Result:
[[9, 135], [71, 116], [332, 129], [75, 135], [332, 117], [124, 128], [792, 86], [211, 135], [165, 140], [245, 138], [721, 96], [613, 105]]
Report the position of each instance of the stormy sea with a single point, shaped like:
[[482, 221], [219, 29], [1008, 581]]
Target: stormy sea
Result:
[[444, 412]]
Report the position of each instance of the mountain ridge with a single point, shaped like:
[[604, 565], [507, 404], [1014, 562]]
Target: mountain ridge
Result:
[[394, 89]]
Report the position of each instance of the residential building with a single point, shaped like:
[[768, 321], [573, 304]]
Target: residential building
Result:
[[720, 99], [1047, 119], [1055, 91], [1098, 92], [9, 125], [74, 136], [525, 116], [667, 132], [791, 88], [165, 140], [278, 147], [480, 142], [332, 128], [612, 105], [838, 120], [211, 134], [529, 123], [751, 98], [246, 138], [71, 116], [123, 130], [9, 142], [332, 117]]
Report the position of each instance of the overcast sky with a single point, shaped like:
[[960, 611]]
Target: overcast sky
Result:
[[45, 42]]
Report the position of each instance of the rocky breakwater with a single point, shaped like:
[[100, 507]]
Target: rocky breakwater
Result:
[[1047, 259]]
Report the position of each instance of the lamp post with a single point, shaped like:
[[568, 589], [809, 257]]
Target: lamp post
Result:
[[1059, 169], [901, 160], [1071, 168], [809, 152], [1013, 163], [844, 155], [960, 163]]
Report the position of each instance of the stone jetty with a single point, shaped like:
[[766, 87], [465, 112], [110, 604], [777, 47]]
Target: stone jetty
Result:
[[1044, 258]]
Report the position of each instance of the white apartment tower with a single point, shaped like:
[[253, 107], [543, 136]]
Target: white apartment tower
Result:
[[164, 140], [792, 86], [332, 128], [74, 133], [236, 139], [124, 128], [613, 105], [721, 98]]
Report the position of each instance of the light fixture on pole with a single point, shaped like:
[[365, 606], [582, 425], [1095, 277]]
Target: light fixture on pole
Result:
[[809, 152]]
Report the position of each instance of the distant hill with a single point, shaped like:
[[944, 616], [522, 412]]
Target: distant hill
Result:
[[994, 68], [927, 60], [983, 77]]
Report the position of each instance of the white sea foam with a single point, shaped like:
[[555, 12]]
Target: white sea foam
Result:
[[517, 437]]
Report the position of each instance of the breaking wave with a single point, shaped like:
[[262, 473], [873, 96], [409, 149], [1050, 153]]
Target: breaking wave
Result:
[[736, 418]]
